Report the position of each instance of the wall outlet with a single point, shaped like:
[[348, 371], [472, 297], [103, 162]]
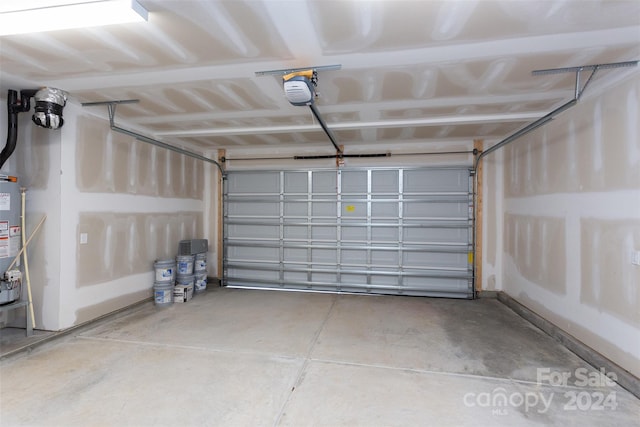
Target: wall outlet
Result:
[[635, 257], [84, 238]]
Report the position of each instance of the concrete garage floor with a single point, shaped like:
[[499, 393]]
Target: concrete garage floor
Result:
[[258, 358]]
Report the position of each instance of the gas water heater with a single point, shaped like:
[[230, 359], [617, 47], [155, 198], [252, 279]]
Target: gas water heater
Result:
[[10, 241]]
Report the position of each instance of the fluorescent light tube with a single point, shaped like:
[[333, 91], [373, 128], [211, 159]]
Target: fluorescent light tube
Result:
[[67, 16]]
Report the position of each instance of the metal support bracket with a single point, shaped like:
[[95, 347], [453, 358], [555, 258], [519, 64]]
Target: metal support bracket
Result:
[[578, 91], [594, 68]]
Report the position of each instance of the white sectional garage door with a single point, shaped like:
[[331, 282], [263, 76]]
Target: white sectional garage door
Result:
[[383, 231]]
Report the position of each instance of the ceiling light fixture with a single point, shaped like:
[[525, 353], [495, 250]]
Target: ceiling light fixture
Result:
[[70, 15]]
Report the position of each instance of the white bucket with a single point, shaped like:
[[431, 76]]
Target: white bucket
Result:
[[200, 263], [165, 270], [186, 280], [185, 264], [201, 282], [163, 294]]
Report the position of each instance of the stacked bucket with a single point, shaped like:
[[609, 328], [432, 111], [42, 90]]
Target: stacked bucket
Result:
[[200, 272], [165, 279], [185, 280], [178, 279]]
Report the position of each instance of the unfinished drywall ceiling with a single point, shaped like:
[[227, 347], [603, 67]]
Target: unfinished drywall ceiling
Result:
[[412, 68]]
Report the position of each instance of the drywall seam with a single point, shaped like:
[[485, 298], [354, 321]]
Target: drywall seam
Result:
[[573, 259], [607, 327], [131, 203], [87, 296], [75, 202], [621, 204]]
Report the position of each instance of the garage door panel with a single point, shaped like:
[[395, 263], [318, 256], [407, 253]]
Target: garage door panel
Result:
[[324, 209], [385, 258], [353, 233], [295, 232], [434, 209], [399, 231], [324, 182], [436, 284], [354, 182], [444, 235], [434, 259], [324, 277], [295, 255], [323, 255], [295, 182], [354, 210], [255, 182], [296, 209], [385, 181], [353, 279], [245, 275], [257, 209], [323, 232], [385, 280], [245, 231], [354, 257], [384, 234], [250, 252], [436, 180], [385, 210], [294, 276]]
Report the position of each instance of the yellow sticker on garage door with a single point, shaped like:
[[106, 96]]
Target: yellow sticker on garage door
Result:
[[350, 208]]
